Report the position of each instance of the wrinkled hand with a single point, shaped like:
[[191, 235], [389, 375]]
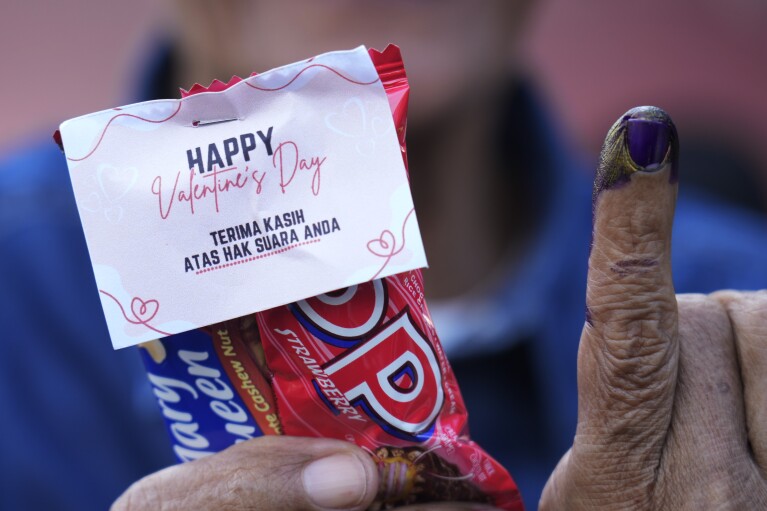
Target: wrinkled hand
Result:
[[267, 474], [672, 389]]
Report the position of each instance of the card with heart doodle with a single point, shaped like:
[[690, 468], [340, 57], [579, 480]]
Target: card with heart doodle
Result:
[[243, 196]]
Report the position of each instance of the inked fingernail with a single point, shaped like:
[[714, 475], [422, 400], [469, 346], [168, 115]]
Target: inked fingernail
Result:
[[648, 141], [641, 140], [336, 482]]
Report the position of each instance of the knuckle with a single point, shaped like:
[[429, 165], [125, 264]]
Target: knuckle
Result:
[[703, 316], [747, 310]]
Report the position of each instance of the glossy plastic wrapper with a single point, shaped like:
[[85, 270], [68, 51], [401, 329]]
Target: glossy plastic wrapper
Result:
[[362, 364]]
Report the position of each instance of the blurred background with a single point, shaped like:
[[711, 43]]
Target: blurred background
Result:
[[702, 60]]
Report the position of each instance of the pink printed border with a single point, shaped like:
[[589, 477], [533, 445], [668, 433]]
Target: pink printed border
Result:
[[104, 131], [178, 109]]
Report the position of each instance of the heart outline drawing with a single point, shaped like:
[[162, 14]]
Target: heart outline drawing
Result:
[[144, 310]]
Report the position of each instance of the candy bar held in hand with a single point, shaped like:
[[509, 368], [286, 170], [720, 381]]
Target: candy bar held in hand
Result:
[[362, 363]]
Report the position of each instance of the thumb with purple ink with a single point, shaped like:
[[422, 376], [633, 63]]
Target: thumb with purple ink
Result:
[[627, 355], [627, 359]]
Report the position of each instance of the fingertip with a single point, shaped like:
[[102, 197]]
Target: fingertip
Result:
[[320, 474], [634, 197], [648, 142], [644, 139], [650, 136], [343, 480]]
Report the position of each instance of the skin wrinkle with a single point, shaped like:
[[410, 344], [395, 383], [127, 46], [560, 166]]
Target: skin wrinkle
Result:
[[636, 456], [618, 421], [231, 492], [642, 391], [618, 247], [644, 278], [235, 489], [601, 470], [636, 343], [631, 395], [640, 357], [637, 301], [638, 389], [637, 291]]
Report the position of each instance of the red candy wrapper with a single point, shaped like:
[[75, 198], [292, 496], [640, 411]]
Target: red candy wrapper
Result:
[[363, 364]]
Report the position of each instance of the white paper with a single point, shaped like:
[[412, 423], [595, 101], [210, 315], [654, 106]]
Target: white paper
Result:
[[330, 206]]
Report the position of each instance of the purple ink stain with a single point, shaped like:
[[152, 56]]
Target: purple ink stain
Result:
[[648, 142], [650, 139]]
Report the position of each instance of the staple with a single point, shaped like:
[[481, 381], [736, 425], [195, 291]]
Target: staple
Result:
[[197, 124]]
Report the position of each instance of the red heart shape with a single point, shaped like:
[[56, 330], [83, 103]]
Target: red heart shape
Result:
[[144, 311], [384, 245]]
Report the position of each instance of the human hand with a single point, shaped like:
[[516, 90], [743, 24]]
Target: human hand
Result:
[[672, 390], [271, 473]]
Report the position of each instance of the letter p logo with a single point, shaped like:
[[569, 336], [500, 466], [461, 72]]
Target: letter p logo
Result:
[[393, 376]]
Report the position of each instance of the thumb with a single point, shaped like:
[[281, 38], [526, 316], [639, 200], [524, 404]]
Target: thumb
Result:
[[267, 473], [628, 351], [627, 359]]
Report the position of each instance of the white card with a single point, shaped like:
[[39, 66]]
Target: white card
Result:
[[287, 185]]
